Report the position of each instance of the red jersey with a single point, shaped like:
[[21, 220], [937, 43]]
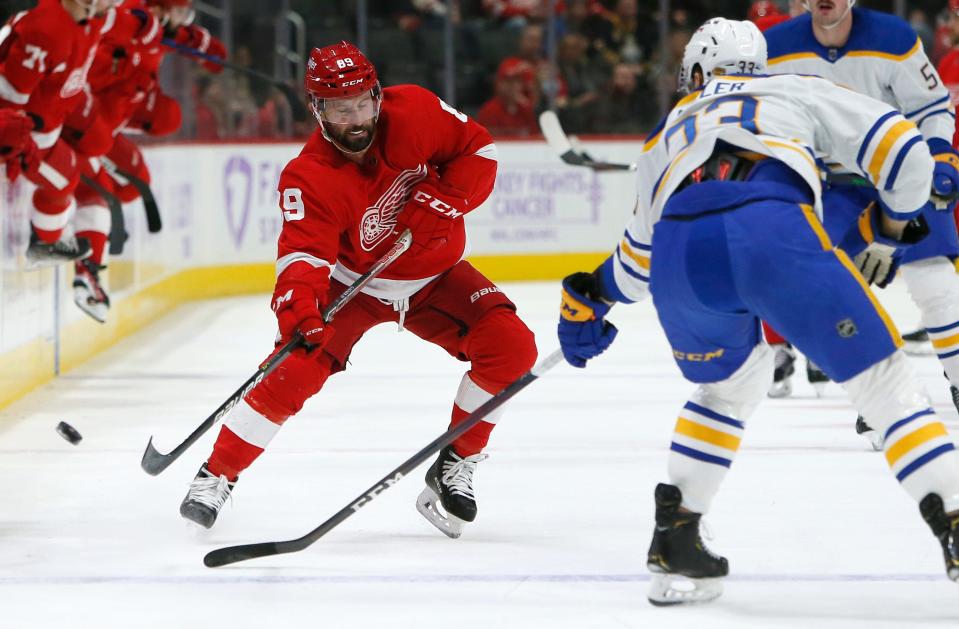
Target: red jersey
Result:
[[501, 121], [949, 73], [343, 213], [44, 58]]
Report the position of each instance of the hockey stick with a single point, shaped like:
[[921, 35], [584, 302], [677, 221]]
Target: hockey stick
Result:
[[296, 105], [563, 146], [154, 224], [233, 554], [154, 462], [118, 231]]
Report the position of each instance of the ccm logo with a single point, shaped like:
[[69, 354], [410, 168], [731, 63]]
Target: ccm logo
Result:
[[353, 82], [484, 291], [436, 204], [697, 358]]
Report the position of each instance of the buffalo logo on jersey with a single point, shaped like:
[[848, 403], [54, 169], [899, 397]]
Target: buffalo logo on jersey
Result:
[[380, 218]]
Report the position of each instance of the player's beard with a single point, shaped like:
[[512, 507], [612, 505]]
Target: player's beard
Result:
[[348, 137]]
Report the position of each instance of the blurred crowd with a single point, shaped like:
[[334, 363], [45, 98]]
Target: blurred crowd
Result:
[[606, 66]]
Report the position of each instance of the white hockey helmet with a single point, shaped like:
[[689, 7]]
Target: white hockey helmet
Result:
[[722, 46]]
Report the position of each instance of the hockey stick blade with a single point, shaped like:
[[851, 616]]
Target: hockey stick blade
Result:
[[118, 231], [562, 145], [233, 554], [154, 222], [153, 461]]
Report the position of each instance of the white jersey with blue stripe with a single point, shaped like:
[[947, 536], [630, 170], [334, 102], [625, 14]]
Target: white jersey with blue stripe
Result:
[[786, 117], [883, 58]]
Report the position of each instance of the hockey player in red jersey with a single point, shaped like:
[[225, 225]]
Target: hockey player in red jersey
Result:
[[44, 57], [18, 151], [380, 161], [949, 73]]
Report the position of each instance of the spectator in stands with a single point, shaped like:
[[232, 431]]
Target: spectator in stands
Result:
[[920, 24], [664, 73], [210, 109], [530, 51], [623, 107], [620, 36], [581, 82], [510, 111], [275, 116], [516, 13], [240, 108]]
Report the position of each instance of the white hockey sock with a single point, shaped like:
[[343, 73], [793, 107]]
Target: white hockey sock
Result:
[[250, 426], [934, 287], [918, 448], [710, 428]]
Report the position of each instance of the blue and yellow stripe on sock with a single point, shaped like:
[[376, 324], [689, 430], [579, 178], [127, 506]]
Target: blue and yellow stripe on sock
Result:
[[914, 441], [705, 435], [945, 340]]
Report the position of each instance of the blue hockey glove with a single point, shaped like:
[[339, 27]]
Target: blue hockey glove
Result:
[[945, 174], [878, 256], [583, 331]]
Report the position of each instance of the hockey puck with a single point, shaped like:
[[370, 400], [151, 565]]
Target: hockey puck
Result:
[[69, 433]]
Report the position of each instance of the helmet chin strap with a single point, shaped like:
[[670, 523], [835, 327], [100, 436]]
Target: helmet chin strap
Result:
[[842, 17]]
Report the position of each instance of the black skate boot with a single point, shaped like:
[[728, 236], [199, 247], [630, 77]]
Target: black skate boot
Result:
[[917, 343], [955, 395], [677, 554], [945, 526], [816, 377], [785, 368], [88, 293], [862, 428], [449, 483], [67, 249], [206, 497]]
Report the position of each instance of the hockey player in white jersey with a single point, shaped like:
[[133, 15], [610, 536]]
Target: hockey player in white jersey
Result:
[[880, 55], [727, 231]]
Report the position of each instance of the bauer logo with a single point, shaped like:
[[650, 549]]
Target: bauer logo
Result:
[[238, 192], [483, 292]]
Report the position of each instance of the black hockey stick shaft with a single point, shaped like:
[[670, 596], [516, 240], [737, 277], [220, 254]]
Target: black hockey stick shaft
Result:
[[562, 145], [154, 223], [233, 554], [154, 462], [296, 105], [118, 231]]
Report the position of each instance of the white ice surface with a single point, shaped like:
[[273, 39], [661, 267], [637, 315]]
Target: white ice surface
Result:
[[817, 532]]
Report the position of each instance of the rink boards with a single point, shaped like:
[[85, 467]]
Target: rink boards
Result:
[[221, 222]]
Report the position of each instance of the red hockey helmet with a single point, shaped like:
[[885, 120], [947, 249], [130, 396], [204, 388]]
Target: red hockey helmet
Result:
[[339, 71], [954, 7]]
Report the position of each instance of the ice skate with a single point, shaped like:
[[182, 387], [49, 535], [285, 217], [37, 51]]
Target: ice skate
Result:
[[816, 377], [684, 570], [864, 429], [206, 497], [67, 249], [954, 392], [785, 368], [88, 293], [917, 343], [945, 526], [449, 484]]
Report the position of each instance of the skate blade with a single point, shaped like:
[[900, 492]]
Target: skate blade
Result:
[[819, 388], [427, 503], [97, 312], [673, 589], [875, 440], [918, 348], [780, 389]]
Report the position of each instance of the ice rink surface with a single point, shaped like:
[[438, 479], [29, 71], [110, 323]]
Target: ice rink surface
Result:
[[817, 531]]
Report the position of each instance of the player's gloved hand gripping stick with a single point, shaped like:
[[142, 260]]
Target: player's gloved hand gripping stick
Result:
[[233, 554], [154, 462]]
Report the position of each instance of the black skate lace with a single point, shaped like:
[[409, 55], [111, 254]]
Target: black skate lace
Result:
[[211, 491], [458, 474]]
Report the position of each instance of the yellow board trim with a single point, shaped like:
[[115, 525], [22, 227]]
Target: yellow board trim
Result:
[[882, 151], [915, 439], [945, 342], [708, 435], [639, 259], [816, 225], [887, 321]]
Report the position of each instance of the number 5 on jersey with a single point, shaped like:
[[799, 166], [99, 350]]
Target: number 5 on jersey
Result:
[[293, 209]]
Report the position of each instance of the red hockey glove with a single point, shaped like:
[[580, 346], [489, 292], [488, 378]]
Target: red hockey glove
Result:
[[199, 38], [17, 148], [429, 214], [296, 302]]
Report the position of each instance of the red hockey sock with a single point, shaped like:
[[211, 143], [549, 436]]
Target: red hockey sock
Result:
[[98, 242], [473, 440], [231, 455], [772, 336]]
